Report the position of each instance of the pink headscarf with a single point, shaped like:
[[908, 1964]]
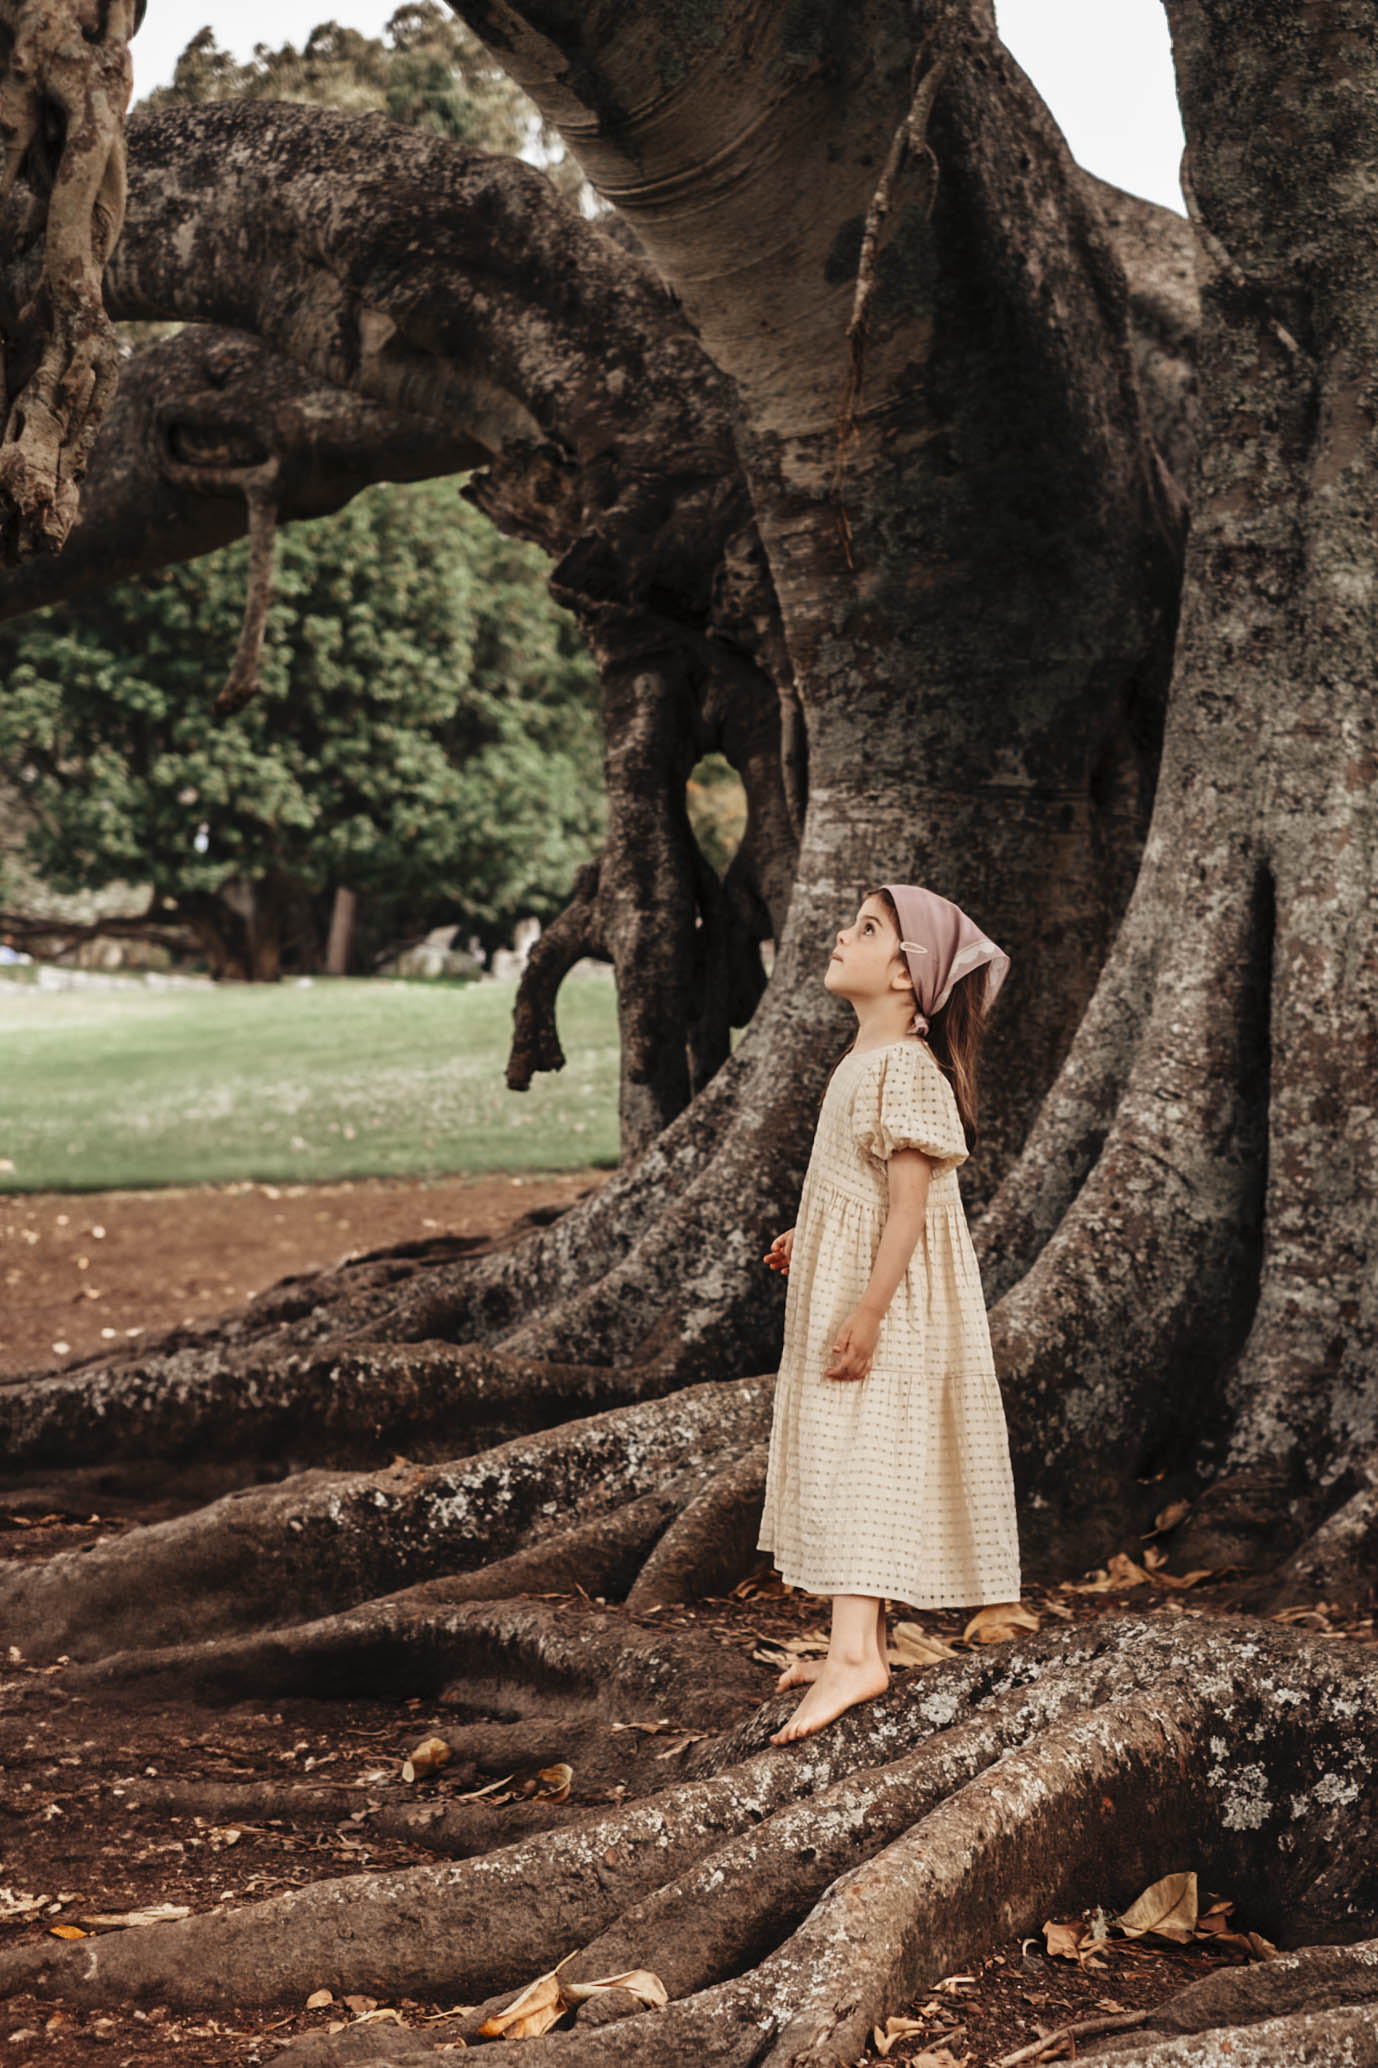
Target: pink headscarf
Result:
[[941, 945]]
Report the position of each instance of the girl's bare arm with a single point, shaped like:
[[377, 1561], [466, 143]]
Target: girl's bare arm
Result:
[[908, 1172]]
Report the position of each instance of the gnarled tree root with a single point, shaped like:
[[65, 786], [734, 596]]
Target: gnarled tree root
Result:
[[320, 1541], [338, 1399], [964, 1805]]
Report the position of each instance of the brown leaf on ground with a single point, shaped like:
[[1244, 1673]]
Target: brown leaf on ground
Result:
[[539, 2006], [895, 2028], [1063, 1941], [999, 1622], [639, 1982], [545, 2001], [911, 1645], [1167, 1907], [425, 1758]]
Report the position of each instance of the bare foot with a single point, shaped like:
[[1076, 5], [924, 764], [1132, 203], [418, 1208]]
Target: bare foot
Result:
[[840, 1685], [804, 1671], [796, 1675]]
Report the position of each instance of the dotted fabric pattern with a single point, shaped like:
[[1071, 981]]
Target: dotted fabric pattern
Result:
[[898, 1484]]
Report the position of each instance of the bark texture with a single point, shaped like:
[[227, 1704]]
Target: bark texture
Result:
[[65, 81]]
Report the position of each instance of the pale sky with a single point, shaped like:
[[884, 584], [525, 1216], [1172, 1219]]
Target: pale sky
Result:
[[1104, 67]]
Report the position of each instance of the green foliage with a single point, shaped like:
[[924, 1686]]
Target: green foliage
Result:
[[716, 803], [426, 727], [427, 71]]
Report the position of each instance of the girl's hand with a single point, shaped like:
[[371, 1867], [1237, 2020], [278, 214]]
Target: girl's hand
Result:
[[855, 1346], [780, 1251]]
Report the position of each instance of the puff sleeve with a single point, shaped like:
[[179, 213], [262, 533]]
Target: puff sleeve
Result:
[[907, 1103]]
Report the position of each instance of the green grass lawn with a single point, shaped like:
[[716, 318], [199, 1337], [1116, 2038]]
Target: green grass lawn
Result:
[[333, 1078]]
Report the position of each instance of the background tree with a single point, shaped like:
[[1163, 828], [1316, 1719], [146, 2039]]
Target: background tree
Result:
[[425, 735]]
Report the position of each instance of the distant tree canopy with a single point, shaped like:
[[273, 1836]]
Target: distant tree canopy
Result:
[[426, 732], [427, 70]]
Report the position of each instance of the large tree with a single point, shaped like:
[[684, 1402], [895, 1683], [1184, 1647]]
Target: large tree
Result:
[[863, 448]]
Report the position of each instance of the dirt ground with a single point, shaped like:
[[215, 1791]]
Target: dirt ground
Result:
[[88, 1834], [82, 1272]]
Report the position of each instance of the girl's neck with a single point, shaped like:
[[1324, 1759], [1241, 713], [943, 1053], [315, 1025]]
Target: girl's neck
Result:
[[880, 1022]]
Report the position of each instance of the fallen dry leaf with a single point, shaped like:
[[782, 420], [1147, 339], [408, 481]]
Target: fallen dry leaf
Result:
[[911, 1645], [813, 1644], [545, 2001], [1167, 1579], [1169, 1517], [997, 1623], [678, 1744], [66, 1931], [556, 1781], [1167, 1907], [425, 1758], [895, 2028], [532, 2011], [662, 1724], [476, 1794], [319, 1998], [1063, 1941], [638, 1982]]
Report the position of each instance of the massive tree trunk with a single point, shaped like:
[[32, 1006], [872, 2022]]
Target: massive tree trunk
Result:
[[949, 553]]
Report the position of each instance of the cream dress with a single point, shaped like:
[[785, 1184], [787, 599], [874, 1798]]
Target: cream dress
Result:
[[897, 1484]]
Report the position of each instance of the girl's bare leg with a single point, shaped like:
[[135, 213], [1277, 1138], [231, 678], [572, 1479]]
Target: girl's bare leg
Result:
[[853, 1671], [803, 1671]]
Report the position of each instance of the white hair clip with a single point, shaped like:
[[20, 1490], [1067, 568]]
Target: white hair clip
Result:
[[915, 947]]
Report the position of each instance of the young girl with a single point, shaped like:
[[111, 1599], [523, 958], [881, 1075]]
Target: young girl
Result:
[[889, 1471]]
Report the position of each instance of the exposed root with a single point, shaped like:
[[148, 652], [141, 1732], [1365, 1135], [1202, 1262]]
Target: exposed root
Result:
[[711, 1544], [1315, 1981], [1338, 1562], [340, 1401], [320, 1541], [1309, 2040], [982, 1792]]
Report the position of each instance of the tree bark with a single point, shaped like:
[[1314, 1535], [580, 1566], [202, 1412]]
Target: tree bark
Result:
[[340, 939]]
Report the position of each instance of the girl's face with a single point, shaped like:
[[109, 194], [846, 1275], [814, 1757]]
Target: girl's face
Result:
[[866, 961]]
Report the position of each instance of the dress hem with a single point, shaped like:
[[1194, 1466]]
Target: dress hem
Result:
[[893, 1593]]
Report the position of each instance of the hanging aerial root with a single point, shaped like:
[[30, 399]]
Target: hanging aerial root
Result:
[[577, 932]]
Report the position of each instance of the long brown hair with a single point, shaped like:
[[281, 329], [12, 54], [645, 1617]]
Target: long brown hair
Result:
[[956, 1032]]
